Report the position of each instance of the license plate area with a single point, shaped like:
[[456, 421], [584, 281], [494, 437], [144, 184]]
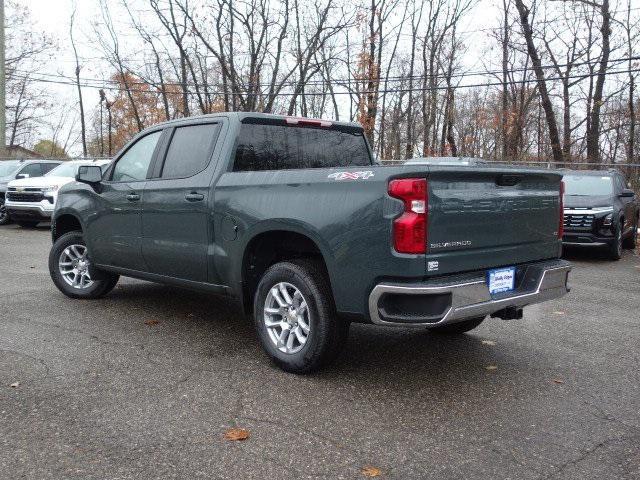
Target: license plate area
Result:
[[500, 280]]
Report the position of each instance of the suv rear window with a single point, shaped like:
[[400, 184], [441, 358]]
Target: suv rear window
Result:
[[190, 150], [279, 147]]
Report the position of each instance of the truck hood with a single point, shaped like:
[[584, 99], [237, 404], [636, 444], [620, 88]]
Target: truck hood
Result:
[[587, 201], [41, 182]]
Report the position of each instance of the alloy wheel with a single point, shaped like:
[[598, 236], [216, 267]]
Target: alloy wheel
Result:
[[287, 318], [74, 266]]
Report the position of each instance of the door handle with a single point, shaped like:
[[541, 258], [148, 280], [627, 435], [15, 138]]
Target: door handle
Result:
[[133, 197], [193, 197]]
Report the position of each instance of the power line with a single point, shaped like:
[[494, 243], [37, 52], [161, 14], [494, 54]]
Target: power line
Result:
[[101, 83], [363, 92]]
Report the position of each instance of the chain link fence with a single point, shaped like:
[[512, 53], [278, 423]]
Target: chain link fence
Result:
[[631, 171]]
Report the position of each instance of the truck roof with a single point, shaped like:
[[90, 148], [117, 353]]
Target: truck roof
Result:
[[244, 116]]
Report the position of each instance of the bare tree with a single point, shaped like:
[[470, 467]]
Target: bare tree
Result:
[[542, 84]]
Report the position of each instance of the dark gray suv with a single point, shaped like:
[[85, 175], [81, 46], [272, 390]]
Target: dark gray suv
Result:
[[600, 211], [13, 169]]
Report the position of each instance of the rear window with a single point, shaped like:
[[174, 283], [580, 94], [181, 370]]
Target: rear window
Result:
[[190, 150], [46, 167], [279, 147]]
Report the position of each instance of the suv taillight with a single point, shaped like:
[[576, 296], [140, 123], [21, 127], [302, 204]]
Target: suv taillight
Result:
[[561, 219], [410, 229]]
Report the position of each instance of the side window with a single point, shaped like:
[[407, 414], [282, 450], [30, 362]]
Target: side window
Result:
[[33, 170], [47, 167], [277, 147], [190, 150], [134, 164]]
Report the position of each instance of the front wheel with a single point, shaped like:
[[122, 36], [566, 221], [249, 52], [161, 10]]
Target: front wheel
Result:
[[458, 327], [4, 216], [295, 317], [615, 249], [71, 271]]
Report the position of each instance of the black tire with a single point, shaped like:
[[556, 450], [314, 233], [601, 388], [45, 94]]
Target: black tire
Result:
[[631, 242], [458, 327], [327, 333], [5, 219], [103, 282], [615, 249], [27, 224]]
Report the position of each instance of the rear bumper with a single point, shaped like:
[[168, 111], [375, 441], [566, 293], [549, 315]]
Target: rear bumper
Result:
[[453, 299]]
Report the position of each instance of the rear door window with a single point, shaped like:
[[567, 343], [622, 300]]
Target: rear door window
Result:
[[279, 147], [190, 150]]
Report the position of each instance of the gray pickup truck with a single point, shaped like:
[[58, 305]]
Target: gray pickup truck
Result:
[[293, 219]]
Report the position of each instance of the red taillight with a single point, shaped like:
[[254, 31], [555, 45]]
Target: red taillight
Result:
[[410, 229], [561, 219]]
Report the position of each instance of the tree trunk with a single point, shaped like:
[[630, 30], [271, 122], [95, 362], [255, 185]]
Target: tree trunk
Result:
[[554, 136], [593, 135]]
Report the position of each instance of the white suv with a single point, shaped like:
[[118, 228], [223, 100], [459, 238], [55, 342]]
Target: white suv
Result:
[[30, 201]]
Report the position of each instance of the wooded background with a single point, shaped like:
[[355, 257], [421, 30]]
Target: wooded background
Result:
[[555, 80]]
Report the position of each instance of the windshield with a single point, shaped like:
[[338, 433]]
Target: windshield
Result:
[[587, 185], [70, 169], [64, 170], [7, 167]]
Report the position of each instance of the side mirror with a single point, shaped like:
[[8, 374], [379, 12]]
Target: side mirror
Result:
[[22, 175], [90, 174], [628, 193]]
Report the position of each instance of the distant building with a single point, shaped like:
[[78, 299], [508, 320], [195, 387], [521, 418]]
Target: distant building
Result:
[[16, 151]]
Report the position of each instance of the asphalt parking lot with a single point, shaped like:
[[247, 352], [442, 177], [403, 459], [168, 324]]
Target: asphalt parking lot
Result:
[[144, 383]]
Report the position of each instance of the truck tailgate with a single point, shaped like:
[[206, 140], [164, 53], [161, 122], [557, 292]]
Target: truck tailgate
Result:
[[489, 217]]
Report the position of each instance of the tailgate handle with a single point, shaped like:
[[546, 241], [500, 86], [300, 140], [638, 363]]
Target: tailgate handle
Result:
[[508, 180]]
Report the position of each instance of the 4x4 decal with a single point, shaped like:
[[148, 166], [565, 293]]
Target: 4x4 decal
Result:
[[363, 175]]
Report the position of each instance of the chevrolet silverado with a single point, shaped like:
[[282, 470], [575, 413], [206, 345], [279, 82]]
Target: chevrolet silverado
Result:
[[292, 218]]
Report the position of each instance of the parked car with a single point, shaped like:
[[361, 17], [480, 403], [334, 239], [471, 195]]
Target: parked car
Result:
[[600, 211], [291, 217], [30, 201], [12, 169]]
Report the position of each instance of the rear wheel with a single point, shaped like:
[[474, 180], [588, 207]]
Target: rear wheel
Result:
[[27, 224], [295, 317], [632, 241], [71, 270], [615, 249], [458, 327]]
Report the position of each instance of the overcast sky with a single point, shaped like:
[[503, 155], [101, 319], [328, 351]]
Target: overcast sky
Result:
[[52, 16]]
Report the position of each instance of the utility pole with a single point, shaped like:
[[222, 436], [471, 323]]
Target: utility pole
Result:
[[3, 99]]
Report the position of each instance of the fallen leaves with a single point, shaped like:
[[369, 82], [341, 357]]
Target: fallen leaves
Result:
[[15, 385], [558, 381], [370, 471], [151, 322], [491, 367], [236, 434], [488, 342]]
